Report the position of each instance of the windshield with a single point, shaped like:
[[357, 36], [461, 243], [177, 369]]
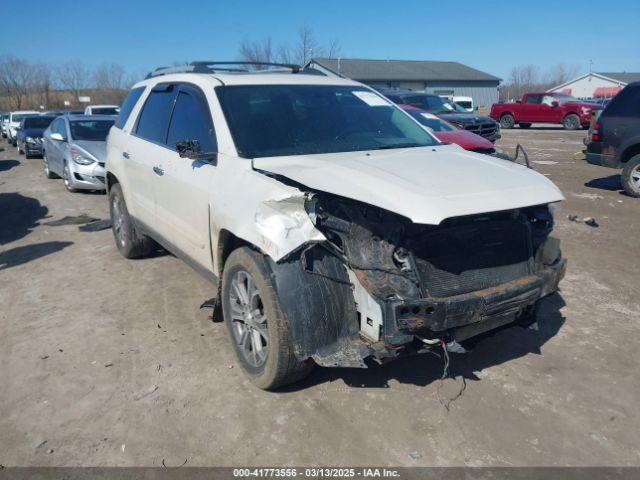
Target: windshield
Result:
[[104, 111], [91, 130], [16, 117], [277, 120], [434, 104], [434, 124], [37, 122]]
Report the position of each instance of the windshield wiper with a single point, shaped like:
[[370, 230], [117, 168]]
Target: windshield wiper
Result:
[[402, 145]]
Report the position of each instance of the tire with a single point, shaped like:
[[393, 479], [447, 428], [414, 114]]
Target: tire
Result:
[[263, 347], [65, 178], [524, 125], [20, 152], [571, 122], [630, 176], [130, 242], [47, 172], [507, 121]]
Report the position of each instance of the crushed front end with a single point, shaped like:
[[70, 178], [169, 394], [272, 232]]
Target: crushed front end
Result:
[[411, 281]]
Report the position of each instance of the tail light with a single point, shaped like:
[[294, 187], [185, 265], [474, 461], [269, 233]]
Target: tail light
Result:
[[595, 133]]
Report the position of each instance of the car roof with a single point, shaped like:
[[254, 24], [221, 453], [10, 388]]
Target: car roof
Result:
[[217, 79]]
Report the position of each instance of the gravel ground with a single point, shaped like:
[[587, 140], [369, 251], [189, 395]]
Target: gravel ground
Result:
[[110, 362]]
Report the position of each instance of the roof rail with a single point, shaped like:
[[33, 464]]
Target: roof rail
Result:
[[215, 67]]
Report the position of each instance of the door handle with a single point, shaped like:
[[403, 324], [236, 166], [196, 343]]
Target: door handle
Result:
[[158, 171], [125, 154]]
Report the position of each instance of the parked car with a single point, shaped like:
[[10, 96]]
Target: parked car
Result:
[[447, 132], [332, 224], [464, 102], [30, 134], [14, 122], [102, 110], [4, 121], [544, 107], [615, 138], [75, 149], [479, 124]]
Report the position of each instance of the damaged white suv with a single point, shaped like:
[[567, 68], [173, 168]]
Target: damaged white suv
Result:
[[333, 225]]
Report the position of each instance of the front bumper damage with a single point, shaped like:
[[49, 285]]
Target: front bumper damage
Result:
[[379, 283]]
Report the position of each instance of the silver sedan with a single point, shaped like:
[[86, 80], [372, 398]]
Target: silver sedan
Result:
[[75, 149]]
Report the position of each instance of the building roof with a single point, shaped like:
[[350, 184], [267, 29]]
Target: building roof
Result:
[[403, 70], [624, 77]]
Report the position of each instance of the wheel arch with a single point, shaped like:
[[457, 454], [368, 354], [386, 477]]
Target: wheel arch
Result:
[[111, 180], [629, 152]]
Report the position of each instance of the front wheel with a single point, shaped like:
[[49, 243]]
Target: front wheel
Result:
[[507, 121], [630, 176], [256, 324], [571, 122], [47, 171]]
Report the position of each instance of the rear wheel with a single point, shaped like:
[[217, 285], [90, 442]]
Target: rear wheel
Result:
[[524, 125], [256, 324], [130, 242], [507, 121], [571, 122], [631, 176]]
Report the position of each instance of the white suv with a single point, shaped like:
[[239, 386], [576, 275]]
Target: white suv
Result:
[[333, 226]]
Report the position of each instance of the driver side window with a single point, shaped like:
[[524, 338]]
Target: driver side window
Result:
[[534, 99]]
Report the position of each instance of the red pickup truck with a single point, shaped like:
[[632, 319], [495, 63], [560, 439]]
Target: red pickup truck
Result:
[[544, 108]]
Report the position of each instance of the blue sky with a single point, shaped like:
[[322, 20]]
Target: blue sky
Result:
[[490, 36]]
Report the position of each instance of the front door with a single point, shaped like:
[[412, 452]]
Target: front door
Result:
[[183, 190]]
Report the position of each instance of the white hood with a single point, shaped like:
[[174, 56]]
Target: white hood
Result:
[[426, 185]]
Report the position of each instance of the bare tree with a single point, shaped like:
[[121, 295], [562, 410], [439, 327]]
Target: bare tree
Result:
[[109, 76], [300, 52], [73, 76], [528, 78], [42, 85], [16, 79]]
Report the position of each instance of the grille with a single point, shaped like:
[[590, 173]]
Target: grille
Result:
[[473, 256], [483, 129]]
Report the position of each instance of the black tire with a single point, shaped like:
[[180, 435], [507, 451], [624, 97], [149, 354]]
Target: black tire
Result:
[[280, 367], [45, 163], [571, 122], [630, 176], [507, 121], [130, 242], [65, 179], [524, 125], [20, 151]]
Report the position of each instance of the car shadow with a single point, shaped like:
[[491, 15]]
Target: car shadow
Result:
[[20, 255], [18, 216], [491, 349], [8, 164], [611, 183]]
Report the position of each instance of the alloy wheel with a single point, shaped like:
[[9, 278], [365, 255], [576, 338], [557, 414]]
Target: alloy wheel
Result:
[[117, 216], [635, 178], [248, 318]]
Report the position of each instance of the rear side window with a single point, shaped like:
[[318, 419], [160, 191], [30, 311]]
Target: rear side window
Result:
[[624, 104], [191, 120], [154, 118], [127, 106]]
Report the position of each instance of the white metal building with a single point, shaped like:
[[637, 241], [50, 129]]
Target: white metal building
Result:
[[594, 85]]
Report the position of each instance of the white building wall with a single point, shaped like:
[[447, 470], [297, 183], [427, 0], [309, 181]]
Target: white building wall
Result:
[[586, 86]]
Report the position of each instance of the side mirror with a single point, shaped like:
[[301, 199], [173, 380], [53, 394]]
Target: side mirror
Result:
[[57, 137], [555, 103], [192, 149]]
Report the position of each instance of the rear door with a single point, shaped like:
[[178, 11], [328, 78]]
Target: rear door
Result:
[[146, 152], [183, 191], [56, 149]]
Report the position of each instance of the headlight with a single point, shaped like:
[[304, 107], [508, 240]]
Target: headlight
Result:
[[80, 158], [31, 140], [585, 110]]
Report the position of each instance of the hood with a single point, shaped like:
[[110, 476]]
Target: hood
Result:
[[464, 138], [32, 132], [466, 118], [97, 149], [426, 185]]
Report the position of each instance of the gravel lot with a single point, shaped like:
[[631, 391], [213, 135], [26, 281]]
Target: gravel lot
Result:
[[106, 361]]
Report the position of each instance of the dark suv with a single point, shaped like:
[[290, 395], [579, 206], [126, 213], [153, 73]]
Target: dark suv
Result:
[[450, 111], [615, 138]]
